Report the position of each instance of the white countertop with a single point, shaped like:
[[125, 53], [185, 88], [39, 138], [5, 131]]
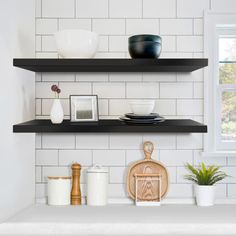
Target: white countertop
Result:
[[126, 220]]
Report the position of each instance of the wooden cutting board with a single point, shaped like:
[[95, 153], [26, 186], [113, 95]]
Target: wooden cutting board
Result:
[[147, 166]]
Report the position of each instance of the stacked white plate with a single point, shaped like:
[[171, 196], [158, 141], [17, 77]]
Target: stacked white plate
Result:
[[152, 118]]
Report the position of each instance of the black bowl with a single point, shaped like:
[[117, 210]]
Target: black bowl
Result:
[[145, 49], [145, 37]]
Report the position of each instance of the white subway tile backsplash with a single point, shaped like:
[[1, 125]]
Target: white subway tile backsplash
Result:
[[43, 90], [58, 8], [58, 141], [40, 190], [125, 141], [193, 76], [198, 90], [91, 8], [117, 175], [125, 8], [177, 95], [58, 77], [181, 172], [189, 141], [198, 158], [49, 44], [181, 27], [176, 90], [142, 90], [109, 157], [198, 26], [109, 90], [124, 77], [172, 174], [159, 8], [168, 43], [46, 26], [231, 190], [142, 26], [192, 8], [38, 43], [38, 107], [103, 107], [176, 157], [190, 107], [165, 107], [223, 6], [109, 26], [161, 141], [38, 141], [231, 171], [68, 157], [190, 43], [68, 89], [38, 174], [180, 191], [47, 157], [87, 77], [118, 107], [116, 191], [159, 77], [118, 43], [92, 141], [84, 24]]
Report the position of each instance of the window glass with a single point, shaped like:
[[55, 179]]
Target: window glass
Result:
[[228, 115], [227, 49]]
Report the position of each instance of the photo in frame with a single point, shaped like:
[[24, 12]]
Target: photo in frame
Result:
[[83, 108]]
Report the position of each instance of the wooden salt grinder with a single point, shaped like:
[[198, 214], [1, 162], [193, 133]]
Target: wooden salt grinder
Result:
[[75, 191]]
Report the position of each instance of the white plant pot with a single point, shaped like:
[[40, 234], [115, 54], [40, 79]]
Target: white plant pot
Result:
[[205, 195], [57, 113]]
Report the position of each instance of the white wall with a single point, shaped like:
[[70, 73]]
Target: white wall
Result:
[[180, 23], [17, 93]]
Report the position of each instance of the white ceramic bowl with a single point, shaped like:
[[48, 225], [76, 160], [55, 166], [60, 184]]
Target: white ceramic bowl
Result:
[[142, 107], [76, 43]]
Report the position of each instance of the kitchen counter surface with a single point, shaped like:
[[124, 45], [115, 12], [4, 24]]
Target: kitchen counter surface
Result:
[[167, 220]]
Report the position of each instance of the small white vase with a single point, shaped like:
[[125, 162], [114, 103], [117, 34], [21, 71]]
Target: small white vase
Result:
[[57, 113], [205, 195]]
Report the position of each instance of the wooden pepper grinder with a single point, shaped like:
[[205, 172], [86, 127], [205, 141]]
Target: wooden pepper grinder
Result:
[[75, 191]]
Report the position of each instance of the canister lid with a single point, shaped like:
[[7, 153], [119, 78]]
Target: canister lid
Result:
[[97, 169], [59, 177]]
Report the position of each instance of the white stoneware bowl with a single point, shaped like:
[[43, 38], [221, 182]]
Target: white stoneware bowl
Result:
[[76, 43], [142, 107]]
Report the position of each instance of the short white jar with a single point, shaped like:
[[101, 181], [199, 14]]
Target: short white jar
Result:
[[59, 189], [97, 186]]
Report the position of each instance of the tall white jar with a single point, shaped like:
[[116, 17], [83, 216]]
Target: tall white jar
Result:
[[59, 189], [97, 186]]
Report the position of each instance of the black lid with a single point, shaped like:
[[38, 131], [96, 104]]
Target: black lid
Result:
[[145, 37]]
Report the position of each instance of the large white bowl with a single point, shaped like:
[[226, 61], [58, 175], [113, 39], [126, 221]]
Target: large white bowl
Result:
[[76, 43], [142, 107]]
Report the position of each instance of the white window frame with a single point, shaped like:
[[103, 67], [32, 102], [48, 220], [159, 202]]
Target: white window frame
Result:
[[215, 23]]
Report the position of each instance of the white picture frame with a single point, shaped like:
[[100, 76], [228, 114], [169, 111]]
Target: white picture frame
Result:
[[84, 108]]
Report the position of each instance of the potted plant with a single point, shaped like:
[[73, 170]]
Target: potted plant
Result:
[[205, 179], [56, 114]]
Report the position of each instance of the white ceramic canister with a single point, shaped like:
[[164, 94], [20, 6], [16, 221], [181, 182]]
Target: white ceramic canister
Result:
[[97, 186], [59, 189]]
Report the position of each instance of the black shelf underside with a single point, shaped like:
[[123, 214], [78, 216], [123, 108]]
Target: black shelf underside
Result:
[[111, 65], [110, 126]]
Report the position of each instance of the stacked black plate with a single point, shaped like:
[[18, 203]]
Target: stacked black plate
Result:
[[131, 118]]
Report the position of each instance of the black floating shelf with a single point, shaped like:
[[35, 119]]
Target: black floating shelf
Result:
[[110, 126], [111, 65]]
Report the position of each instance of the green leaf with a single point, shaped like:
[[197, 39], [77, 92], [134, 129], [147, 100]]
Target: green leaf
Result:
[[203, 175]]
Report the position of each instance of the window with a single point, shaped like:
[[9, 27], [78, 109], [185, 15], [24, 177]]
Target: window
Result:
[[226, 90], [220, 84]]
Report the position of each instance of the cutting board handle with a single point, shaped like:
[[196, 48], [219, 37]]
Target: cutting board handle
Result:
[[148, 148]]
